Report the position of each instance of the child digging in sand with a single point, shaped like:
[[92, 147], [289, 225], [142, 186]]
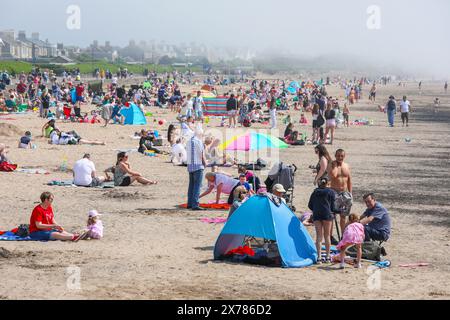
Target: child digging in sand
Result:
[[353, 235]]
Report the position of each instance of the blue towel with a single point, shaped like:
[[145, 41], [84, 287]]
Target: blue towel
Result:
[[10, 236]]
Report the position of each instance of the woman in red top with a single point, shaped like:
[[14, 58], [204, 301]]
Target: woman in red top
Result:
[[43, 225]]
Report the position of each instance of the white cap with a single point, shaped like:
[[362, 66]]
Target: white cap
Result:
[[279, 188], [93, 213]]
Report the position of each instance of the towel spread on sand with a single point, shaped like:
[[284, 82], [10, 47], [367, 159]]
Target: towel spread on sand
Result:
[[220, 206], [33, 171], [69, 183], [11, 236], [213, 220]]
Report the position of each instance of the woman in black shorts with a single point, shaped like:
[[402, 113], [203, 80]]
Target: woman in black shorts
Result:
[[322, 205]]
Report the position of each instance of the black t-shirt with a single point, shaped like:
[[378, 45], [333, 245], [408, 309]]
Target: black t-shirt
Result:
[[25, 140], [330, 114], [231, 104], [120, 92]]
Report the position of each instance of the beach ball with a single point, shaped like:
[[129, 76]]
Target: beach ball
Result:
[[206, 120], [161, 122]]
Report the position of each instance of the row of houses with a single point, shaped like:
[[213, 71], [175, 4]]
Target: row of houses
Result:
[[35, 49], [23, 48]]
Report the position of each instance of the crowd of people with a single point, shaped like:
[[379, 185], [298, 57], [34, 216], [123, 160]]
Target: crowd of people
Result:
[[258, 102]]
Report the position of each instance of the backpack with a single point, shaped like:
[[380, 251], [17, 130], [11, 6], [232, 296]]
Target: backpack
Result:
[[23, 230], [246, 123], [371, 250], [320, 119]]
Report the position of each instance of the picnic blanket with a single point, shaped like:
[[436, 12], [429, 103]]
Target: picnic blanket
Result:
[[69, 183], [220, 206], [216, 106], [213, 220]]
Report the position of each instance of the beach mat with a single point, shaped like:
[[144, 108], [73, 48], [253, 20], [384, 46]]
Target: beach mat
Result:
[[11, 236], [215, 206], [69, 183], [213, 220]]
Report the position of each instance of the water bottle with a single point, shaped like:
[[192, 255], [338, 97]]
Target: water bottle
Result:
[[64, 164]]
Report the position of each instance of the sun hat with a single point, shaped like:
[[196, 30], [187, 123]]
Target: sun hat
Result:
[[279, 188], [93, 213]]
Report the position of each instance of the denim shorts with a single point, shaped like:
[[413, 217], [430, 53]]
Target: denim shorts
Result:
[[42, 235]]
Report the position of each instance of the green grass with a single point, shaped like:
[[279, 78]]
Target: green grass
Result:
[[16, 67]]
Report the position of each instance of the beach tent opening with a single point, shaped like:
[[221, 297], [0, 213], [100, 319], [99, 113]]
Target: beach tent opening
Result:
[[262, 216], [133, 115]]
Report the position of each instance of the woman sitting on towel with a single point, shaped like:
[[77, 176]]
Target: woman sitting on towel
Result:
[[222, 184], [124, 176]]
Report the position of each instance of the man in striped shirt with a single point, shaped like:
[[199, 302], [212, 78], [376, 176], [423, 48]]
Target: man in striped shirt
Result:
[[196, 162]]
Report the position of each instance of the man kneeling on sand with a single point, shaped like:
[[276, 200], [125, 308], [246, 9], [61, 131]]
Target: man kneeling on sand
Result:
[[43, 225]]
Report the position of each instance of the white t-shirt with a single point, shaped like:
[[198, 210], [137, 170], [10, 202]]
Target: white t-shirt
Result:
[[188, 105], [83, 172], [404, 106], [228, 183], [179, 154], [198, 103]]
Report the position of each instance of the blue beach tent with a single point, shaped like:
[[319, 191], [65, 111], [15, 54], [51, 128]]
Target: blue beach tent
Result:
[[133, 115], [261, 217]]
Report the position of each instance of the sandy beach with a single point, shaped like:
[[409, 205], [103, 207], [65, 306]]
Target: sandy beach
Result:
[[154, 250]]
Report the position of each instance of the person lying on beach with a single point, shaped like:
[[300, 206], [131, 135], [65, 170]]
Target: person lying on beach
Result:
[[123, 175], [71, 138], [43, 225]]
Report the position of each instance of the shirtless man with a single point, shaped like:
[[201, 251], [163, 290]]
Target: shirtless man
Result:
[[341, 183]]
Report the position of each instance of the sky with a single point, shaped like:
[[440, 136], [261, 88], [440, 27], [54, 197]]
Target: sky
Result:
[[413, 33]]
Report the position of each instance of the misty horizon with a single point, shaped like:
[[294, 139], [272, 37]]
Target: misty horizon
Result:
[[413, 35]]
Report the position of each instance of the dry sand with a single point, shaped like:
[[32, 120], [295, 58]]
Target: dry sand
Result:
[[153, 250]]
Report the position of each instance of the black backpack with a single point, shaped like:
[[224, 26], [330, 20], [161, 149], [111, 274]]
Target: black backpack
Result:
[[23, 230]]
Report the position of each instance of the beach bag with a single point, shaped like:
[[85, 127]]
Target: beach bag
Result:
[[7, 167], [23, 230], [320, 119], [246, 123], [371, 250]]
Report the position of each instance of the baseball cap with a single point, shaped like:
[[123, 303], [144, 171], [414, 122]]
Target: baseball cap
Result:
[[279, 188], [93, 213]]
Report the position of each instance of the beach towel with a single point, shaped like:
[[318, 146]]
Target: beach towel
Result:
[[213, 220], [69, 183], [11, 236], [220, 206], [33, 171]]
